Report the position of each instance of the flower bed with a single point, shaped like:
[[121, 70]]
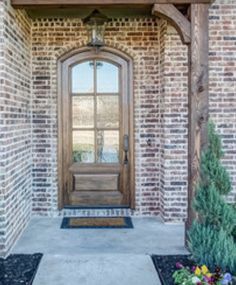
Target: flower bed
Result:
[[200, 275], [181, 270], [166, 266]]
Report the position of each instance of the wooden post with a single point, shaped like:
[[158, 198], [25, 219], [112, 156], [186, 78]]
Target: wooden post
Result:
[[198, 96]]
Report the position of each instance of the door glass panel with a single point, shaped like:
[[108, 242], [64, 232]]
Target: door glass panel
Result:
[[83, 78], [107, 77], [83, 146], [83, 111], [108, 111], [108, 146]]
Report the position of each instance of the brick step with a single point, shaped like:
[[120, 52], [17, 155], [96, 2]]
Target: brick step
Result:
[[94, 190], [70, 211], [98, 198]]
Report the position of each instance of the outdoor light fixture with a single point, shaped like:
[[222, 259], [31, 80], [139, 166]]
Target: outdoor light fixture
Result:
[[96, 24]]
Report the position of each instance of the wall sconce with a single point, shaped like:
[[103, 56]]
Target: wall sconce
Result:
[[96, 24]]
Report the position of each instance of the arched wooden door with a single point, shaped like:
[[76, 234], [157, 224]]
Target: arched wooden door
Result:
[[96, 132]]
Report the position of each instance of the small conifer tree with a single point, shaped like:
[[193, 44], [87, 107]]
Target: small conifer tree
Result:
[[211, 239]]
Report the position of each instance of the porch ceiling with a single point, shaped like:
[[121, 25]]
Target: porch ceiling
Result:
[[138, 7], [77, 12], [73, 3]]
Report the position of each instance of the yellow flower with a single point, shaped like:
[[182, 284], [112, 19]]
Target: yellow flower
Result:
[[197, 271], [209, 275], [205, 270]]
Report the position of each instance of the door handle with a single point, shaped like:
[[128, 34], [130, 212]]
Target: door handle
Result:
[[126, 148]]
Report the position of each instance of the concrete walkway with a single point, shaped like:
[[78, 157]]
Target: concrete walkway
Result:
[[100, 256]]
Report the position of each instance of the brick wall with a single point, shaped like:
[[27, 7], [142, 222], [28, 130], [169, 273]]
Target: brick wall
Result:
[[174, 125], [223, 80], [174, 121], [15, 125], [52, 38], [2, 210]]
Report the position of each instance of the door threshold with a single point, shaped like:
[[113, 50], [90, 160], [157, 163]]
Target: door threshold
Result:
[[97, 207]]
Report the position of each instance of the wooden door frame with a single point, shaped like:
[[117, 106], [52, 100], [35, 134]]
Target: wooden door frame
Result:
[[69, 59]]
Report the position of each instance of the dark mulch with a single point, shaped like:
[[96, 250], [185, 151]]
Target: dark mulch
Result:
[[166, 266], [19, 269]]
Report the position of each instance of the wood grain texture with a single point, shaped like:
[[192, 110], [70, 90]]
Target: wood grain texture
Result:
[[101, 182], [95, 168], [198, 96], [95, 198], [176, 18], [68, 3]]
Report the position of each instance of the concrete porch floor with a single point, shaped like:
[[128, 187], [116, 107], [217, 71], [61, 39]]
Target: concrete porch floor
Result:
[[99, 256]]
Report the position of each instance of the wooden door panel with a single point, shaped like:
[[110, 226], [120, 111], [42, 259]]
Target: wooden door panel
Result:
[[96, 198], [96, 182]]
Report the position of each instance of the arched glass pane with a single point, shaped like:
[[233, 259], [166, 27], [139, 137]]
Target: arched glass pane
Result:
[[83, 78], [107, 77]]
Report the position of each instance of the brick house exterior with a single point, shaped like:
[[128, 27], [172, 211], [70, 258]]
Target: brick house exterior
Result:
[[29, 52]]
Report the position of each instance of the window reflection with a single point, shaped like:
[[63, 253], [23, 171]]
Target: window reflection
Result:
[[108, 146], [83, 146], [83, 78], [83, 111], [95, 113], [107, 78], [108, 111]]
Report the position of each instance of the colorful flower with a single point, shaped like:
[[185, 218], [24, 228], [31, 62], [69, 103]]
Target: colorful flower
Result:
[[226, 279], [204, 270], [179, 265], [200, 275], [197, 271], [196, 280], [207, 279]]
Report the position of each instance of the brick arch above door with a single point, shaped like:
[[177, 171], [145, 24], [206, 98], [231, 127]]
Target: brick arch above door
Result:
[[112, 47]]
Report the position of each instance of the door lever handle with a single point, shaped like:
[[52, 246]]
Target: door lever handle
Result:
[[126, 148]]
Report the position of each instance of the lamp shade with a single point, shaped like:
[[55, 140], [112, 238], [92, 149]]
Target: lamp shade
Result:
[[96, 24]]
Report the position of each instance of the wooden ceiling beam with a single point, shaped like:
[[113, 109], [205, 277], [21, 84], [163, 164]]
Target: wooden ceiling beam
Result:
[[70, 3]]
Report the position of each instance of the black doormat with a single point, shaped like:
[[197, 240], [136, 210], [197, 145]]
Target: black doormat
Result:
[[19, 269], [97, 223], [166, 266]]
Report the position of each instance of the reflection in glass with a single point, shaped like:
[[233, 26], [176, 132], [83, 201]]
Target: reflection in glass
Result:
[[83, 78], [83, 146], [107, 78], [108, 146], [83, 111], [108, 111]]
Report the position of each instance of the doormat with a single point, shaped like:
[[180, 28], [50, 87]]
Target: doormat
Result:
[[97, 223], [166, 266], [19, 269]]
